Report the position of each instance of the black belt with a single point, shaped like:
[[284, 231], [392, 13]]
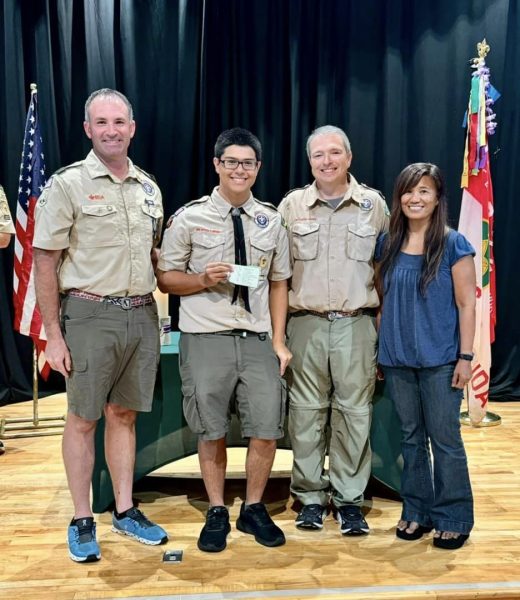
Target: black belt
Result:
[[332, 315], [243, 333]]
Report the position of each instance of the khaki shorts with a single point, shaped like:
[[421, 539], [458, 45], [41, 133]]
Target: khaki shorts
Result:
[[115, 354], [218, 371]]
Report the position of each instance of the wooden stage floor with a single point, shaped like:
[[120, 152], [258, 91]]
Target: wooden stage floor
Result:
[[36, 509]]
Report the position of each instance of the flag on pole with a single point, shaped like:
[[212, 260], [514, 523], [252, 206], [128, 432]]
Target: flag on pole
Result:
[[27, 317], [476, 223]]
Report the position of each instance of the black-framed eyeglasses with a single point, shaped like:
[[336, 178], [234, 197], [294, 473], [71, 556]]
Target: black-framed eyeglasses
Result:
[[232, 163]]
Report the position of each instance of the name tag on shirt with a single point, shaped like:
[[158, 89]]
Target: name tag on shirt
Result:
[[248, 276]]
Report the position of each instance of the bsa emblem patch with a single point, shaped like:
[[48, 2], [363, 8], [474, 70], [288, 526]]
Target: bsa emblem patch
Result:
[[148, 188], [42, 201], [366, 204], [262, 220]]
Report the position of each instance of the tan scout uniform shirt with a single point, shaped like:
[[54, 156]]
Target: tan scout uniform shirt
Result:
[[6, 222], [332, 249], [105, 227], [202, 232]]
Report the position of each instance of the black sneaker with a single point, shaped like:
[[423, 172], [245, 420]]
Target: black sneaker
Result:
[[255, 519], [351, 520], [213, 535], [311, 516]]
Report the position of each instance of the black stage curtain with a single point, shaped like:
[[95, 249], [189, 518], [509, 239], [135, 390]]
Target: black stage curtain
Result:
[[394, 74]]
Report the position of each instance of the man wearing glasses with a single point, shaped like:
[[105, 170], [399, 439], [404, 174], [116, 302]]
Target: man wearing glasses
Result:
[[227, 256], [333, 226]]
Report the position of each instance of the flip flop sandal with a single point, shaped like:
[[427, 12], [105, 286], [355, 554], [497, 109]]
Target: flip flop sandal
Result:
[[415, 535]]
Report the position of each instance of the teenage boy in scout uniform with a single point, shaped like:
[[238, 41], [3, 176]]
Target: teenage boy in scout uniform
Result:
[[333, 226], [97, 223], [227, 351], [6, 222]]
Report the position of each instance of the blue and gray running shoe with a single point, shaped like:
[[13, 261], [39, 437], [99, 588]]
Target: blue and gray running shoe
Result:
[[81, 536], [137, 526]]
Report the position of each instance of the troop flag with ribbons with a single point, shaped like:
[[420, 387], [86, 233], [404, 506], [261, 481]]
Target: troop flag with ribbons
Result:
[[27, 317], [476, 223]]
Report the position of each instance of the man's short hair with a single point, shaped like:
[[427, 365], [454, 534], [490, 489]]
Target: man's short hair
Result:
[[238, 137], [327, 130], [108, 93]]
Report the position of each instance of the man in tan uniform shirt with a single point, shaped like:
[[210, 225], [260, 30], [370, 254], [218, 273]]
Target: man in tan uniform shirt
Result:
[[97, 222], [227, 353], [333, 226], [6, 221]]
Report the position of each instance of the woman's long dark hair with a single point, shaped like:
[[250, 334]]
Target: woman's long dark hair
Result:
[[435, 237]]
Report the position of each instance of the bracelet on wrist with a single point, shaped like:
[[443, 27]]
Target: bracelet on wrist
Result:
[[463, 356]]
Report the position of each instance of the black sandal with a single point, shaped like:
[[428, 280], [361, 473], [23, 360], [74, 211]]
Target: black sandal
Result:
[[450, 543], [415, 535]]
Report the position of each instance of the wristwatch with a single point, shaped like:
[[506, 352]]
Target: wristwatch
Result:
[[463, 356]]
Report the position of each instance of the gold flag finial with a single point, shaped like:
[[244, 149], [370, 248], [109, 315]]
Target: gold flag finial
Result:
[[483, 48]]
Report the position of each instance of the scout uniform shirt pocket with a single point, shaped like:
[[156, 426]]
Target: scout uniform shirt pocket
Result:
[[262, 251], [205, 248], [99, 225], [305, 238], [361, 241]]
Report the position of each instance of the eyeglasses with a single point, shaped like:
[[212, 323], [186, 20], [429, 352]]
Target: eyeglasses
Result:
[[232, 163]]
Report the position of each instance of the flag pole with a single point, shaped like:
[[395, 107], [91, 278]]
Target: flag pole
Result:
[[35, 426], [42, 425], [480, 376]]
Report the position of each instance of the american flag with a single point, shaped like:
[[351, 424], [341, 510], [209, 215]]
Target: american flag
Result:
[[27, 317]]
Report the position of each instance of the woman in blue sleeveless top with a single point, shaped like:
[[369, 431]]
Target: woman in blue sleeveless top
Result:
[[427, 281]]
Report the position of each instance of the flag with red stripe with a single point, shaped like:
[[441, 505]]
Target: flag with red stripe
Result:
[[27, 317], [476, 223]]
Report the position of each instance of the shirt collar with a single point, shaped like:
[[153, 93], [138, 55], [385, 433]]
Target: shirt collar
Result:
[[96, 168], [353, 192], [224, 207]]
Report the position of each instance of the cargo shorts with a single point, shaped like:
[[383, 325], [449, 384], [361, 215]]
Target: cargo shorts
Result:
[[221, 370], [115, 355]]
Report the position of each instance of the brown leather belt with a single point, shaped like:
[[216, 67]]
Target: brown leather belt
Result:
[[124, 302], [332, 315]]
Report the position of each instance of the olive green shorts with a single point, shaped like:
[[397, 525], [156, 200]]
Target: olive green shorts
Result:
[[115, 354], [219, 371]]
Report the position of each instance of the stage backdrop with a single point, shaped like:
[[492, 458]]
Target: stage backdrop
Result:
[[395, 75]]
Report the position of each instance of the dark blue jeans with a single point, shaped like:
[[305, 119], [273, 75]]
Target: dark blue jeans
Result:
[[437, 494]]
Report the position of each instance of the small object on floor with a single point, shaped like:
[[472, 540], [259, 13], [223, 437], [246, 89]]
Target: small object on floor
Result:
[[311, 517], [214, 533], [81, 537], [351, 520], [255, 520], [450, 543], [416, 533], [134, 524], [172, 556]]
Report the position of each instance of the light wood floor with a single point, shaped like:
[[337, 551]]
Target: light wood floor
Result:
[[35, 510]]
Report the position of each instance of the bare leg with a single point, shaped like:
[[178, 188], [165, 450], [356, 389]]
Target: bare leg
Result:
[[259, 461], [78, 457], [213, 462], [120, 452]]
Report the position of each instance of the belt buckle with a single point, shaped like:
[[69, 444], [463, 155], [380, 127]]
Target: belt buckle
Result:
[[332, 315], [126, 303]]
